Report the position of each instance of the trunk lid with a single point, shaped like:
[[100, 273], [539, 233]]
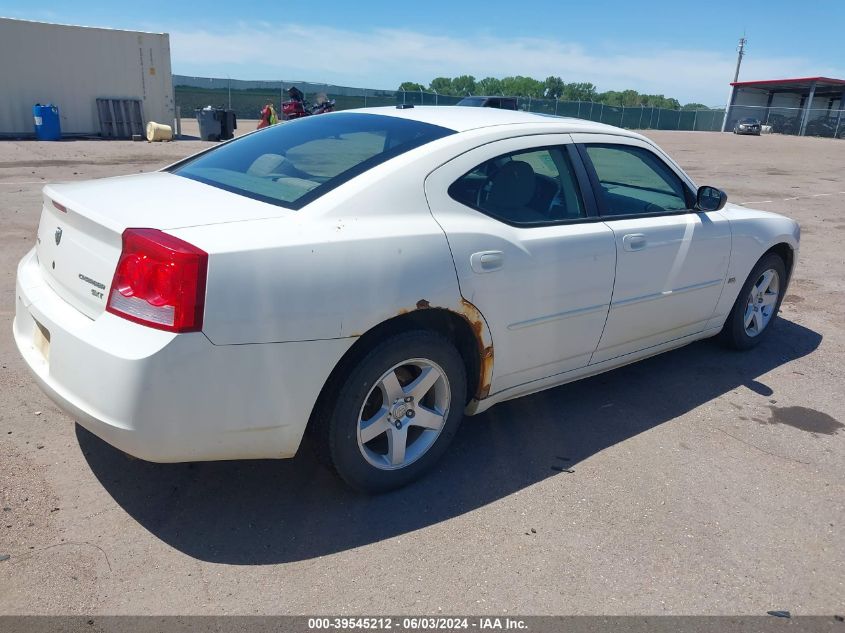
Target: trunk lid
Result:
[[78, 247]]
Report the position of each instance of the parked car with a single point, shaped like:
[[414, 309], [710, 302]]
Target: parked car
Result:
[[748, 126], [504, 103], [782, 124], [830, 127], [372, 276]]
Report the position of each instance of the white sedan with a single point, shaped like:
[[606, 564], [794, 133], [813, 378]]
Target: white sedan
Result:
[[372, 276]]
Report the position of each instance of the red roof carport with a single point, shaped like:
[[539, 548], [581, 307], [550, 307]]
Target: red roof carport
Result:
[[807, 87]]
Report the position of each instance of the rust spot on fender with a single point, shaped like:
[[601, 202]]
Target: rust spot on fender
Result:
[[485, 352]]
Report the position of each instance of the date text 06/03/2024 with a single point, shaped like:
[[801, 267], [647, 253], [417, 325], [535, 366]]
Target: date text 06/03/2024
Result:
[[417, 623]]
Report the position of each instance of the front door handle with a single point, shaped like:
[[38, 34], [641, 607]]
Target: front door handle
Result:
[[486, 261], [634, 242]]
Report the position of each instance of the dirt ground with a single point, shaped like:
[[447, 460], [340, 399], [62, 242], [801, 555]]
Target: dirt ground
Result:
[[703, 481]]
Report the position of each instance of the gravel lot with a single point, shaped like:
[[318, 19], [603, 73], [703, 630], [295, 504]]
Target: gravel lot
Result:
[[704, 481]]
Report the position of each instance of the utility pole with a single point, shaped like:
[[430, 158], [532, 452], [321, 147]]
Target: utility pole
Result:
[[740, 50], [740, 54]]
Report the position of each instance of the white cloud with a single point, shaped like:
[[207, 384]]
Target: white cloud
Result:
[[383, 58]]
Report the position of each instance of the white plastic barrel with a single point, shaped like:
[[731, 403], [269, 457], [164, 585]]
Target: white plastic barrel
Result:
[[159, 132]]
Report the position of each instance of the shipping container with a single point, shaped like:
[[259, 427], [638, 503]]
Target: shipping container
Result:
[[73, 66]]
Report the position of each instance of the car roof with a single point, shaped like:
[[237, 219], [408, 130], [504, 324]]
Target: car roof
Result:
[[462, 119]]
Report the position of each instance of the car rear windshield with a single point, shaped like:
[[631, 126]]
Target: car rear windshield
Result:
[[294, 163], [472, 101]]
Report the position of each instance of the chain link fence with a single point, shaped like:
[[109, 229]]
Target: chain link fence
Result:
[[247, 98]]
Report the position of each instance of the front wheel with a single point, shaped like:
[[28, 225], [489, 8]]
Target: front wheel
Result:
[[757, 304], [395, 413]]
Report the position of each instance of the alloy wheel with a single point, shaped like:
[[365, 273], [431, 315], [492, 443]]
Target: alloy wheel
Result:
[[403, 414], [762, 302]]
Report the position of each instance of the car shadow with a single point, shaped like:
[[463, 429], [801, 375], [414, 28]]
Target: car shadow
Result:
[[262, 512]]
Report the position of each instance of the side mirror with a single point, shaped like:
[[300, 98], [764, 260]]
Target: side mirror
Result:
[[710, 199]]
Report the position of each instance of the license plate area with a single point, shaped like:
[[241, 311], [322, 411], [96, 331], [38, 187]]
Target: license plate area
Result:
[[41, 340]]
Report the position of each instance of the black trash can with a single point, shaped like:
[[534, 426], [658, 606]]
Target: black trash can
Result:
[[209, 123], [228, 124]]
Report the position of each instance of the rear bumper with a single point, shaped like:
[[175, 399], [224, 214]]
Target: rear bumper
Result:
[[168, 397]]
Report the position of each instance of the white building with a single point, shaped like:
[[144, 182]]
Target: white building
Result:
[[72, 66]]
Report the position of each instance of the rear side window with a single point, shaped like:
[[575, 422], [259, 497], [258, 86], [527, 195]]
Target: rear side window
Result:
[[525, 188], [635, 181], [294, 163]]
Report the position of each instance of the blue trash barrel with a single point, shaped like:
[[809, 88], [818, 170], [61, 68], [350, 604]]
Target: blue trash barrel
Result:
[[48, 127]]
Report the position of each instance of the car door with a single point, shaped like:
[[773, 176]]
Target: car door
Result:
[[671, 260], [529, 251]]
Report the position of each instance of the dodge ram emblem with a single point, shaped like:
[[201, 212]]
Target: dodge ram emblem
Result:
[[58, 235]]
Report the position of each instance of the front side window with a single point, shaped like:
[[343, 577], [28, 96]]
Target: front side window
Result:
[[635, 181], [529, 187], [292, 164]]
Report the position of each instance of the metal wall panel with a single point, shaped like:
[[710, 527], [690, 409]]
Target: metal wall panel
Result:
[[72, 66]]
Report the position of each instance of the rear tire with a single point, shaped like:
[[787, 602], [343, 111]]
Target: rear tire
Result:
[[396, 412], [757, 304]]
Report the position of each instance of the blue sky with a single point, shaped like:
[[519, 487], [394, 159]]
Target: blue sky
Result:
[[680, 49]]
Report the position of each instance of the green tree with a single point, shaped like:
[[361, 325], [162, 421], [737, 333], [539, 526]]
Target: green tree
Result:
[[511, 87], [660, 101], [611, 98], [464, 85], [582, 91], [650, 101], [553, 87], [630, 98], [442, 85], [489, 86], [520, 86]]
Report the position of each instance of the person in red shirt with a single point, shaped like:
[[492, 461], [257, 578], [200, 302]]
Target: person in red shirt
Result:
[[268, 116]]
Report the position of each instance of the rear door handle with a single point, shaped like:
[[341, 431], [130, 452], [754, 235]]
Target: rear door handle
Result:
[[634, 242], [486, 261]]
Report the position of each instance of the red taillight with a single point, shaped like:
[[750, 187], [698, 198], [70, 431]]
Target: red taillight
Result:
[[60, 207], [159, 281]]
